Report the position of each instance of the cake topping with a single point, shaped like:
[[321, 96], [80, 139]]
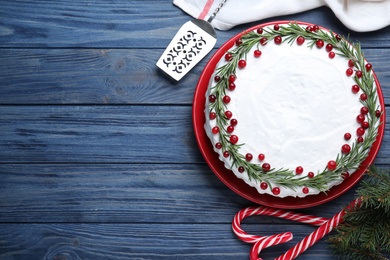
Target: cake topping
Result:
[[332, 165], [257, 53], [249, 157], [355, 89], [261, 157], [347, 136], [349, 72], [353, 151], [329, 47], [319, 43], [233, 139], [299, 170], [278, 39], [300, 40], [346, 148]]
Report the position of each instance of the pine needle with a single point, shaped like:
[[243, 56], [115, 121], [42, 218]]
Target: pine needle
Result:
[[365, 233]]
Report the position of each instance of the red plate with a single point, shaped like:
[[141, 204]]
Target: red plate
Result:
[[238, 185]]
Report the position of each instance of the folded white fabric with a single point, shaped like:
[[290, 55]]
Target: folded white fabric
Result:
[[357, 15]]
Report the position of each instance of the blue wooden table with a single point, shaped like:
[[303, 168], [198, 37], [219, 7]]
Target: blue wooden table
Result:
[[98, 158]]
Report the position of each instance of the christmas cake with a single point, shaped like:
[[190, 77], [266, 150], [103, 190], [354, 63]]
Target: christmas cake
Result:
[[292, 109]]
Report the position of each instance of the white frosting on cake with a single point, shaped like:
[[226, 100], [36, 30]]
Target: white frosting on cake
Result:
[[293, 104]]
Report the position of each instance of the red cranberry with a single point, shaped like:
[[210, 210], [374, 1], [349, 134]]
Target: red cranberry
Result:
[[228, 57], [378, 113], [329, 47], [228, 114], [212, 115], [360, 131], [300, 40], [257, 53], [355, 89], [232, 78], [233, 139], [278, 40], [320, 43], [360, 118], [242, 64], [365, 125], [332, 165], [299, 170], [266, 167], [212, 98], [276, 191], [261, 157], [364, 110], [349, 72], [346, 148], [248, 157]]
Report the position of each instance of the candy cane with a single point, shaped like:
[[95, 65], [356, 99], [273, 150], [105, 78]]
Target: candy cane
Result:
[[314, 237], [261, 242], [250, 211], [269, 241]]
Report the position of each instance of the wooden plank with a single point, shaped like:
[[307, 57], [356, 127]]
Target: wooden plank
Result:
[[89, 76], [135, 193], [121, 134], [114, 76], [143, 241], [104, 134], [123, 24]]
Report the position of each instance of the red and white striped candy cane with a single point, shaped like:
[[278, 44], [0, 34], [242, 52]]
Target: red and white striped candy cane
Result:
[[314, 237], [319, 233], [266, 211], [261, 242], [269, 241]]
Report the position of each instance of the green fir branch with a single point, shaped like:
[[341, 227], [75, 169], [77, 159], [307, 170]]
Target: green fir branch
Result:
[[365, 232]]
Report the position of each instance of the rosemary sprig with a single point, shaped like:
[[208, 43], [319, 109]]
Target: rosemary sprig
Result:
[[286, 177]]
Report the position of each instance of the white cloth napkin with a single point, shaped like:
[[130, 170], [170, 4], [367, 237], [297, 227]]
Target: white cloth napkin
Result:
[[357, 15]]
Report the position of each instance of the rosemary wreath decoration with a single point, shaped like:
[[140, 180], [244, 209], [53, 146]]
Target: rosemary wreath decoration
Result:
[[289, 33]]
